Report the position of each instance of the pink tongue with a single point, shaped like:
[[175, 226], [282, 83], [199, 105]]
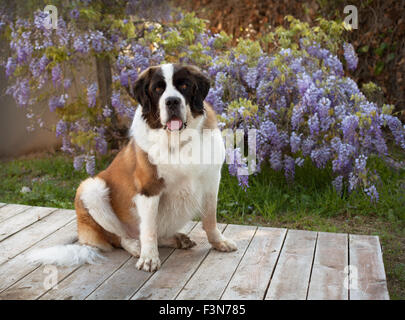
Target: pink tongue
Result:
[[175, 124]]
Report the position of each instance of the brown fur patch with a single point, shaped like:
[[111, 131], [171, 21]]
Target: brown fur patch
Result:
[[197, 89], [145, 176], [210, 121], [130, 173], [143, 93], [89, 231]]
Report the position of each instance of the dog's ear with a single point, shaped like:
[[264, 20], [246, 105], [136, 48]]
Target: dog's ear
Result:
[[139, 90], [202, 86]]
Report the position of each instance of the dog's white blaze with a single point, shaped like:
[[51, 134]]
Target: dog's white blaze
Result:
[[170, 91]]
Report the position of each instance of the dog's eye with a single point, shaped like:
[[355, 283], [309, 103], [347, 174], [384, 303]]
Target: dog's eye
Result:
[[159, 89], [183, 86]]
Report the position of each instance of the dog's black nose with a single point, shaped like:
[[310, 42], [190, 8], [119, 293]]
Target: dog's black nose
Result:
[[173, 102]]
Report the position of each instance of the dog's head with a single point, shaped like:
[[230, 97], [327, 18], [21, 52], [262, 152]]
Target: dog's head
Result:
[[170, 94]]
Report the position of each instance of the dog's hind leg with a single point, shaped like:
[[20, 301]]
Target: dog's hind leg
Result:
[[209, 222], [178, 241], [97, 223], [133, 246]]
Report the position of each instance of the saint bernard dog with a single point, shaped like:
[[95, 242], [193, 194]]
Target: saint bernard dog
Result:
[[144, 197]]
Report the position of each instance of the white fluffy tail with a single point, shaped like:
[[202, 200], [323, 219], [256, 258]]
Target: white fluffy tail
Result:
[[66, 255]]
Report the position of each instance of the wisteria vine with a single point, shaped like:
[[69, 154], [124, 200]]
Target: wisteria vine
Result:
[[296, 93]]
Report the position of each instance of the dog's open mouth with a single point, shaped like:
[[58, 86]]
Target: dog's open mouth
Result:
[[175, 124]]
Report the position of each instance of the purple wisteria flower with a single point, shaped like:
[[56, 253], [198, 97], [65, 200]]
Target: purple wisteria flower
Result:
[[313, 124], [92, 94], [350, 56], [61, 128], [397, 129], [57, 102], [276, 160], [21, 92], [56, 74], [338, 184], [237, 166], [74, 13], [349, 127], [295, 141], [289, 167], [78, 162], [101, 143], [372, 193], [321, 156], [67, 83], [90, 164], [10, 66], [43, 62], [81, 44]]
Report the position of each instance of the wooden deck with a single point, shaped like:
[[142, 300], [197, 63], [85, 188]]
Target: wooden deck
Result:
[[270, 263]]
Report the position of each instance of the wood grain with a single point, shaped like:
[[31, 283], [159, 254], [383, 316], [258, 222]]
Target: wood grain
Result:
[[328, 279], [128, 279], [178, 268], [85, 279], [10, 210], [252, 276], [17, 268], [366, 260], [209, 281], [291, 276], [270, 263], [27, 237], [22, 220]]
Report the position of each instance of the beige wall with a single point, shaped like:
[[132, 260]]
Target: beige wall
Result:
[[15, 140]]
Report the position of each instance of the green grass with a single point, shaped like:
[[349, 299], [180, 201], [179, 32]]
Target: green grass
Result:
[[309, 203], [270, 196]]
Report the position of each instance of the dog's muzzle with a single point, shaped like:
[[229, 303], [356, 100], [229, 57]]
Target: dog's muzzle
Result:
[[173, 111]]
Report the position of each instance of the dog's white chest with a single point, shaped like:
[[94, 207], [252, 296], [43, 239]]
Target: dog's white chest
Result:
[[180, 201]]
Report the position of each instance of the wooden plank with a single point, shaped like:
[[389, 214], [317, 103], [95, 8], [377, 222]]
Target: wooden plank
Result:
[[253, 274], [17, 268], [35, 284], [328, 278], [24, 239], [10, 210], [291, 276], [128, 279], [84, 280], [80, 283], [22, 220], [178, 268], [367, 278], [210, 281]]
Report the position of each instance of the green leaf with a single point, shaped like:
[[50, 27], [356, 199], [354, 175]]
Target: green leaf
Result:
[[364, 49], [379, 67], [390, 57], [380, 50]]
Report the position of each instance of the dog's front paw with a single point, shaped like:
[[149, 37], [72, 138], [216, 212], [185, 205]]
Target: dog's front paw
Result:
[[224, 245], [148, 263]]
